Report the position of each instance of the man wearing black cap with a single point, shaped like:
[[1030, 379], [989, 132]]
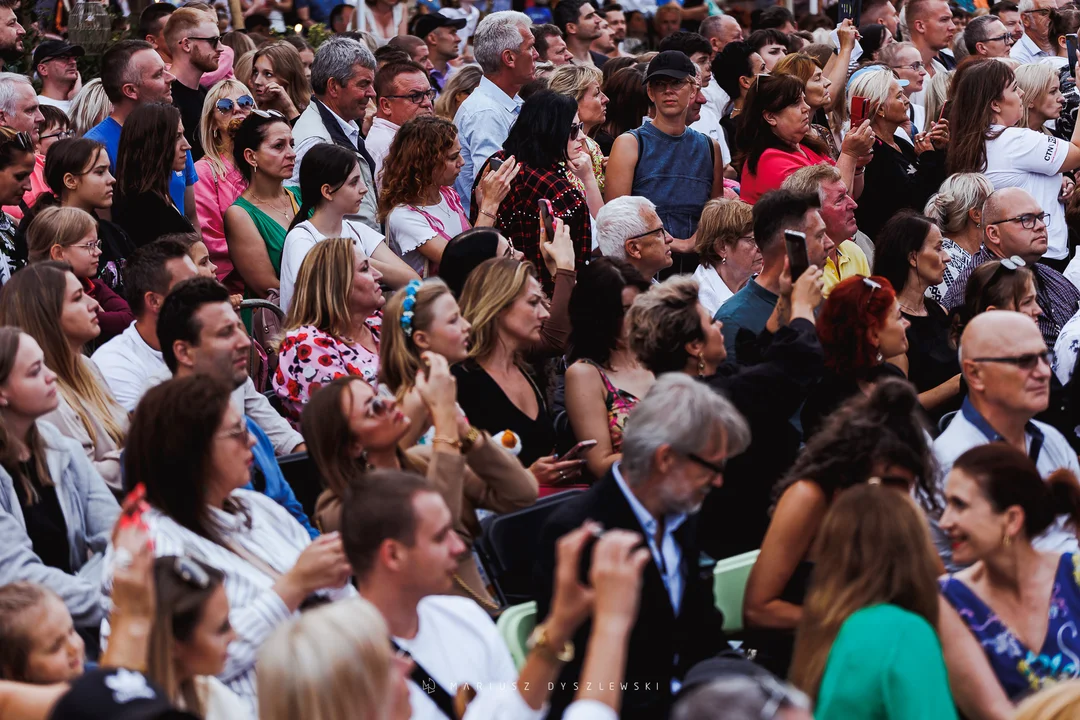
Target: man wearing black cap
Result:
[[675, 166], [54, 62], [440, 34]]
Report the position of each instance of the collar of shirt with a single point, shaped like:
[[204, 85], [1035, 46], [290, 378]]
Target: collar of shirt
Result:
[[383, 124], [351, 128], [1030, 46], [492, 91], [644, 517], [1034, 434], [754, 287]]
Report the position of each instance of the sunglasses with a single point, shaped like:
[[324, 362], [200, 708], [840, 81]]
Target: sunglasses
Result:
[[191, 573], [717, 468], [244, 102], [377, 406], [240, 432], [577, 130], [874, 286], [268, 114], [1027, 361], [21, 140], [214, 41]]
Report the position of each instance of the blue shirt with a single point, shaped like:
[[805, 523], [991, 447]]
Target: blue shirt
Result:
[[667, 554], [277, 488], [107, 132], [483, 122], [750, 308], [318, 10]]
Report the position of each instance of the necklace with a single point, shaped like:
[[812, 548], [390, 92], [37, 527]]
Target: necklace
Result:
[[267, 203], [918, 313]]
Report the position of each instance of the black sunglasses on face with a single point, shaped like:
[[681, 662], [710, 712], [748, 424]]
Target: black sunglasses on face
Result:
[[717, 468], [214, 41], [1027, 361], [244, 102], [21, 140]]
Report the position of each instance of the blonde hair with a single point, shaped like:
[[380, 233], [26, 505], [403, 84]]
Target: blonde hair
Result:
[[63, 226], [1057, 702], [321, 297], [207, 132], [491, 288], [874, 86], [574, 80], [1035, 80], [242, 67], [960, 192], [183, 20], [332, 663], [723, 222], [399, 358], [464, 80], [90, 106], [937, 92]]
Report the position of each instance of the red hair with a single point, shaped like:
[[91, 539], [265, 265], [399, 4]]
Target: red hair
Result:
[[851, 311]]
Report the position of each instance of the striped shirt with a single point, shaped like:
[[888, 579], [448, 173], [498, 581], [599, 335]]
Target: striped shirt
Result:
[[255, 609]]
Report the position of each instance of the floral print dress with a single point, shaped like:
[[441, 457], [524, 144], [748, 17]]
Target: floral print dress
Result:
[[310, 358], [1022, 670]]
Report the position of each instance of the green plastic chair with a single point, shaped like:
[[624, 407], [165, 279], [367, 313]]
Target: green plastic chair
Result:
[[729, 586], [516, 625]]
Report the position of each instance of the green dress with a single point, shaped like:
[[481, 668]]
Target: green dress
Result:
[[886, 664], [269, 229]]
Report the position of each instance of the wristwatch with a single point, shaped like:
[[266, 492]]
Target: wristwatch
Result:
[[469, 440], [539, 640]]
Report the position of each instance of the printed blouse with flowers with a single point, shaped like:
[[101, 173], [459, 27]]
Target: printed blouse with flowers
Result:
[[309, 358], [1021, 670]]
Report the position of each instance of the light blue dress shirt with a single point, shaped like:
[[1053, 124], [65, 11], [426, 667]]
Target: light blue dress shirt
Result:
[[483, 122]]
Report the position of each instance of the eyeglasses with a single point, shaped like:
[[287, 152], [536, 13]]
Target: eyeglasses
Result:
[[717, 468], [1045, 12], [240, 432], [914, 67], [21, 140], [663, 232], [90, 247], [1006, 38], [190, 572], [376, 407], [577, 130], [268, 114], [60, 135], [214, 41], [1027, 220], [1027, 361], [662, 84], [244, 102], [415, 98]]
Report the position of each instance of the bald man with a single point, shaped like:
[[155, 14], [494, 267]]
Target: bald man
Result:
[[1006, 365], [1014, 226], [720, 30]]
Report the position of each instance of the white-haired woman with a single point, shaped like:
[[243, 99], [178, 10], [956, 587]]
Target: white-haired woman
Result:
[[956, 208], [900, 174], [220, 182]]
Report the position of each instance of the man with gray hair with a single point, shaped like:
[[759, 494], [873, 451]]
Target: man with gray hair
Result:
[[1035, 42], [986, 36], [675, 446], [20, 111], [629, 229], [504, 49], [343, 80]]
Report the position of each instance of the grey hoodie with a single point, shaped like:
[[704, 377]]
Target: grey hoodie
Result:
[[90, 511]]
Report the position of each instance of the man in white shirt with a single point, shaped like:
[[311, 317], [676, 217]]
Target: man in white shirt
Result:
[[54, 63], [1035, 42], [628, 228], [402, 92], [343, 81], [1005, 363], [484, 119]]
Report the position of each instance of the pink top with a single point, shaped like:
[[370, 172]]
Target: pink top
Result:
[[773, 169], [224, 68], [37, 187], [213, 196]]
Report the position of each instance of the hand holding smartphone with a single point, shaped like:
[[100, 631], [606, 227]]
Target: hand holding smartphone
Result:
[[578, 450], [547, 216], [798, 260], [860, 107]]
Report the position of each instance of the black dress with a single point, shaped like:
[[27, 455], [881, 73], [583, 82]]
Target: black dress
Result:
[[896, 181], [833, 390], [147, 216], [932, 359], [488, 408]]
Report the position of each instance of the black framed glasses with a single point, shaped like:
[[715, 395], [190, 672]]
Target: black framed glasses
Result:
[[662, 230], [21, 140], [1006, 38], [1044, 12], [59, 135], [191, 572], [214, 41], [717, 468], [244, 102], [1027, 361], [1027, 220], [415, 98]]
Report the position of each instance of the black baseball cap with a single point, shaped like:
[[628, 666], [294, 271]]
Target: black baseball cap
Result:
[[116, 694], [672, 64], [425, 24], [49, 49]]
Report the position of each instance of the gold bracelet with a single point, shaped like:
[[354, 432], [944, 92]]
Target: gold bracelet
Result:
[[452, 442], [469, 440], [487, 213]]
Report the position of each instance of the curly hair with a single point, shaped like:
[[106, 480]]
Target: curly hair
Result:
[[852, 310], [418, 148], [662, 321]]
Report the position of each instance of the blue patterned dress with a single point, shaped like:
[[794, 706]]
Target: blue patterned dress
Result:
[[1020, 670]]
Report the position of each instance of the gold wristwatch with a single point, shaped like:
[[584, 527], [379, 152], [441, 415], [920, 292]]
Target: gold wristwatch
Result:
[[539, 640], [469, 440]]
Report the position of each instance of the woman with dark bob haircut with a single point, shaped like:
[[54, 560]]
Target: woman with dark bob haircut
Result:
[[547, 142], [627, 104], [605, 378], [910, 255]]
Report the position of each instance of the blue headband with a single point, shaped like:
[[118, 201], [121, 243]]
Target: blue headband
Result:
[[407, 306]]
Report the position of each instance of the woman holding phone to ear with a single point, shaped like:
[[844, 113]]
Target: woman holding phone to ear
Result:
[[899, 175]]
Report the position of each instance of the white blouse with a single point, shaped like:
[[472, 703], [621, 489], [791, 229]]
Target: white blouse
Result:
[[712, 290]]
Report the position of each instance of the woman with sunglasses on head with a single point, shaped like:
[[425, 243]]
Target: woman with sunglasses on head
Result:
[[332, 188], [191, 450], [278, 79], [220, 182], [70, 235], [988, 107], [256, 224], [190, 638], [417, 200], [878, 435], [47, 302], [152, 148], [333, 324], [17, 162]]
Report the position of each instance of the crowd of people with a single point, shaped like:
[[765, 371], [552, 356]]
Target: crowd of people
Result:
[[300, 306]]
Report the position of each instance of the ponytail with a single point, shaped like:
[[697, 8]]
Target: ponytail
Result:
[[302, 214]]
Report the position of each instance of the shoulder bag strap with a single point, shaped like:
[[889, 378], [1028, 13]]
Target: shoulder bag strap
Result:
[[436, 692]]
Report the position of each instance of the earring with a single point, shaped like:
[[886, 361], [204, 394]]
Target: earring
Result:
[[1006, 540], [879, 357], [254, 167], [700, 365], [723, 260]]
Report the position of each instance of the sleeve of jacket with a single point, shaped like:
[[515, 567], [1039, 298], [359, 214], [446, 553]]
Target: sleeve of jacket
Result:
[[115, 315], [555, 332], [495, 480]]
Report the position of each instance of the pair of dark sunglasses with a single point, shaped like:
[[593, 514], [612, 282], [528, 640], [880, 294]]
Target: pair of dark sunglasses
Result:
[[244, 102]]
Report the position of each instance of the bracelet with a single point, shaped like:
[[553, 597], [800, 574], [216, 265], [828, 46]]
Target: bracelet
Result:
[[452, 442], [470, 439], [482, 212], [860, 171]]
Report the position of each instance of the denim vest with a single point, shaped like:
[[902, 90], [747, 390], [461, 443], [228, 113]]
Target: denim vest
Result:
[[676, 173]]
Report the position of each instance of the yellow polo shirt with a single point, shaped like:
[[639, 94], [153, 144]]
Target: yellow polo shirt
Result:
[[852, 262]]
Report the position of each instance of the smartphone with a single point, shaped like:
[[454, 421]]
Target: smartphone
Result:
[[495, 164], [944, 111], [578, 450], [1070, 43], [849, 9], [859, 110], [131, 514], [547, 216], [798, 260]]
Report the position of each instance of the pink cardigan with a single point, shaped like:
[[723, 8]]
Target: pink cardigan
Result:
[[213, 196]]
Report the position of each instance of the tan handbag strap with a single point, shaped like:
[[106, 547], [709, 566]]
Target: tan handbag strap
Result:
[[253, 559]]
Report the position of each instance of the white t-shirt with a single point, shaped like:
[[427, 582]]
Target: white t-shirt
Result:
[[1032, 160], [303, 237], [407, 229], [64, 105], [712, 290], [130, 367]]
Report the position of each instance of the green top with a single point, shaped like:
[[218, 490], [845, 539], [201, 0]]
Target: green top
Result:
[[271, 231], [886, 664]]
